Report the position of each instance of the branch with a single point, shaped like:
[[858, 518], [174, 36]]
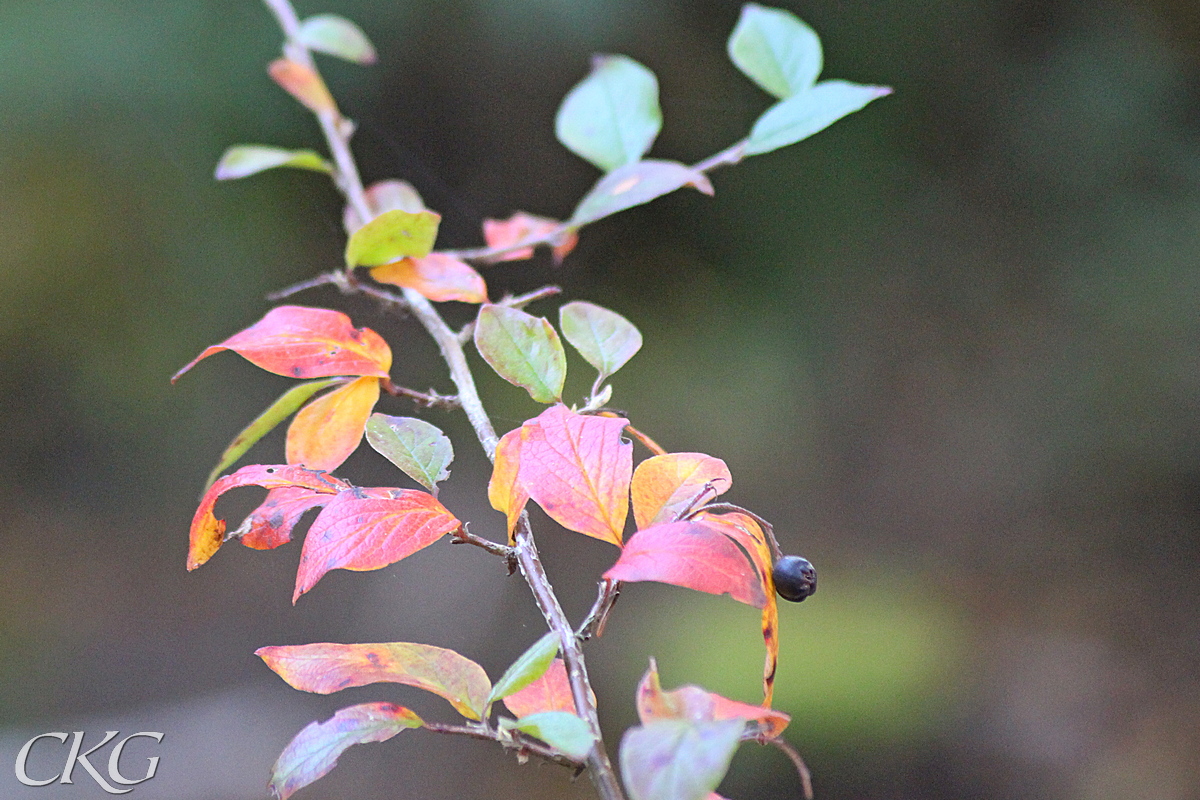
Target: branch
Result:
[[513, 740], [430, 399]]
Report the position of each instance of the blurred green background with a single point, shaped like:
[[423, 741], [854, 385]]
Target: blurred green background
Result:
[[950, 347]]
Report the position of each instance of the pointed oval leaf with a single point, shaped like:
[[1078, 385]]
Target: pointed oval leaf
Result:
[[242, 160], [437, 276], [208, 533], [302, 83], [521, 227], [358, 531], [523, 349], [577, 468], [505, 492], [674, 759], [562, 730], [634, 184], [692, 555], [612, 116], [381, 196], [314, 752], [329, 429], [551, 692], [301, 342], [801, 115], [327, 667], [697, 705], [604, 338], [391, 236], [773, 48], [418, 449], [666, 486], [276, 413], [336, 36], [270, 525], [529, 666]]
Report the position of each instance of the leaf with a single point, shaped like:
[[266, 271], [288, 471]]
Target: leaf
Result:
[[278, 411], [668, 485], [604, 338], [360, 530], [562, 730], [773, 48], [381, 196], [270, 525], [801, 115], [314, 752], [326, 667], [692, 555], [523, 349], [391, 236], [207, 532], [677, 760], [302, 83], [437, 276], [505, 492], [301, 342], [329, 429], [551, 692], [577, 468], [242, 160], [336, 36], [521, 226], [612, 116], [697, 705], [634, 184], [528, 667], [418, 449]]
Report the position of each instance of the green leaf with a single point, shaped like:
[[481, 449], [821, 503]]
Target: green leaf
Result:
[[276, 413], [634, 184], [420, 450], [531, 665], [562, 730], [676, 759], [387, 195], [337, 36], [804, 114], [523, 349], [604, 338], [391, 236], [773, 48], [612, 116], [247, 159]]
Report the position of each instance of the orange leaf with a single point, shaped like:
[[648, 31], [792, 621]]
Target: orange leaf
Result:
[[208, 532], [271, 524], [694, 704], [302, 83], [577, 468], [521, 226], [666, 486], [326, 431], [365, 529], [304, 342], [436, 276], [325, 668], [693, 555], [505, 492], [551, 692]]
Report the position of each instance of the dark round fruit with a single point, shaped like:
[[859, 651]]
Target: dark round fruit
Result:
[[795, 578]]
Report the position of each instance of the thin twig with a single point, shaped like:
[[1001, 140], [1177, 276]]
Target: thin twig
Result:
[[606, 597], [801, 767], [512, 740], [430, 399], [463, 536]]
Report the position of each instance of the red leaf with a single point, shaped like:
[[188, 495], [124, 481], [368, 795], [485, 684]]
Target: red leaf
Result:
[[326, 667], [208, 532], [551, 692], [577, 467], [505, 492], [521, 226], [304, 342], [270, 525], [363, 529], [665, 486], [697, 705], [303, 84], [692, 555], [330, 428], [436, 276]]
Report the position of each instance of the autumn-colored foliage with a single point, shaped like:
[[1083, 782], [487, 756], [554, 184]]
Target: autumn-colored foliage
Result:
[[575, 461]]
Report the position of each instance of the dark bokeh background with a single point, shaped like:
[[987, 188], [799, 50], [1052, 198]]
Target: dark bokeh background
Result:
[[949, 346]]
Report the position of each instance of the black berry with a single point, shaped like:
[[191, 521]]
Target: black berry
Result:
[[795, 578]]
